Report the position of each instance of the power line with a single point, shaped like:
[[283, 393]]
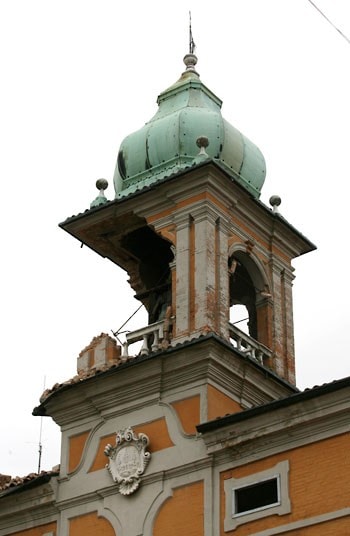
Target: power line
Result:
[[328, 20]]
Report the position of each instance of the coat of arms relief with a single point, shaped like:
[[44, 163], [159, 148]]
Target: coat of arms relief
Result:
[[128, 459]]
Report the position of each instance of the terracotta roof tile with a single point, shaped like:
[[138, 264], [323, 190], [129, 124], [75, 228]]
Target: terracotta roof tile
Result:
[[7, 482]]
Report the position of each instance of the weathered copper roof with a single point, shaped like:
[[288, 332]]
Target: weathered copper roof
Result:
[[167, 144]]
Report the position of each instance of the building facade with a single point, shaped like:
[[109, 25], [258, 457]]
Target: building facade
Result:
[[200, 430]]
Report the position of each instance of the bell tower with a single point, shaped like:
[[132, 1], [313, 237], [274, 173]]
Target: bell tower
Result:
[[187, 226]]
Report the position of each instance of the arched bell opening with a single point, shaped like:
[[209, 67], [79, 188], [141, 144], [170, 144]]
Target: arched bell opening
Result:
[[152, 256], [250, 304]]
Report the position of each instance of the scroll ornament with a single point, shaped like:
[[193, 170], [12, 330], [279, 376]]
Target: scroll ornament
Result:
[[128, 459]]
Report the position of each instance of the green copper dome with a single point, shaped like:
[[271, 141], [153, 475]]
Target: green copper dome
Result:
[[167, 143]]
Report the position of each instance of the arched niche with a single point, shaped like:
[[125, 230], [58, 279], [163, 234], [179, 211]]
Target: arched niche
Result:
[[249, 291]]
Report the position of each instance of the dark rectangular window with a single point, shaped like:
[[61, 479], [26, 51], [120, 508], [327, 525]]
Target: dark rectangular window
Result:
[[260, 495]]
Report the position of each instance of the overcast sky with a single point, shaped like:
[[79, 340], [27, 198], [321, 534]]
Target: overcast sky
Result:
[[77, 76]]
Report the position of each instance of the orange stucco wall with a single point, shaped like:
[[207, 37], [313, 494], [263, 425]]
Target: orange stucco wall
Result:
[[188, 411], [338, 527], [157, 432], [183, 513], [100, 459], [38, 531], [318, 483], [220, 404], [76, 447], [90, 525]]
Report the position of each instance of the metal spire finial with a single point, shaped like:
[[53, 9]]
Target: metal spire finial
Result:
[[192, 45], [190, 59]]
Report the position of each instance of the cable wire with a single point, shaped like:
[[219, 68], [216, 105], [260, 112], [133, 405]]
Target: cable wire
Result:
[[115, 333], [329, 21]]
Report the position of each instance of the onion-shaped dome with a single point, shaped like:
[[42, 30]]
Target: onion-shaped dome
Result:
[[167, 143]]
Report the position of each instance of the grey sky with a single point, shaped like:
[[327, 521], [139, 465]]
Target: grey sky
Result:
[[78, 76]]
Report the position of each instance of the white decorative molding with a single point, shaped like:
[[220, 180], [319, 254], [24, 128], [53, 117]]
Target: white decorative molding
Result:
[[302, 523], [247, 345], [128, 459], [281, 507], [158, 330]]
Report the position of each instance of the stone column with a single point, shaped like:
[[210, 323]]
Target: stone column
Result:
[[201, 294], [204, 269], [182, 291], [278, 331], [283, 338], [222, 278], [287, 286]]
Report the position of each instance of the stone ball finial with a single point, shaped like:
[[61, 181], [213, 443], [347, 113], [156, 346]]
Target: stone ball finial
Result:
[[101, 199], [190, 60], [275, 202], [202, 141], [101, 184]]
